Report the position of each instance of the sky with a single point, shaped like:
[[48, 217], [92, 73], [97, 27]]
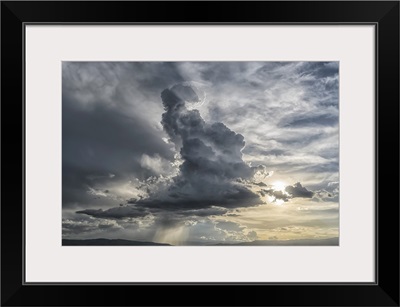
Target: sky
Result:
[[200, 153]]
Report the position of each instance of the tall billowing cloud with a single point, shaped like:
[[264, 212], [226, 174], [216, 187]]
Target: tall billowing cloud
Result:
[[210, 179], [211, 169], [211, 157]]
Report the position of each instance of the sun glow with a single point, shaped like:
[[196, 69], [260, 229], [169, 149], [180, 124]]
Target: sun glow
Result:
[[279, 186]]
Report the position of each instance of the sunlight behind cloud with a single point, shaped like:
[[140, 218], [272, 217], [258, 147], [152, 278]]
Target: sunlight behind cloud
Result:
[[279, 186]]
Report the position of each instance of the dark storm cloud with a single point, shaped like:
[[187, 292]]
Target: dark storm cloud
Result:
[[232, 196], [105, 129], [100, 143], [102, 140], [205, 212], [116, 213], [212, 164], [297, 190]]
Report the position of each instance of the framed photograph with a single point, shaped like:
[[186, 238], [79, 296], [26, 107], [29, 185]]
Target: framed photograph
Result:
[[200, 147]]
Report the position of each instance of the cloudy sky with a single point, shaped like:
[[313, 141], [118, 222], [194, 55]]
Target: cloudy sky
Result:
[[200, 153]]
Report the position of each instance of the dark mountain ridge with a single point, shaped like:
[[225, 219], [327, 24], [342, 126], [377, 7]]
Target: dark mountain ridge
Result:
[[109, 242]]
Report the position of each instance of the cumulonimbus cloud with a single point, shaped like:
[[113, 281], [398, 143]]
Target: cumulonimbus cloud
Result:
[[211, 169], [211, 155]]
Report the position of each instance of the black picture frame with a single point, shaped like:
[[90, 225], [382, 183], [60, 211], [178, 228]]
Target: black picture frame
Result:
[[383, 14]]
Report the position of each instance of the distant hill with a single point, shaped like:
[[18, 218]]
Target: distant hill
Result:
[[300, 242], [121, 242], [109, 242]]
